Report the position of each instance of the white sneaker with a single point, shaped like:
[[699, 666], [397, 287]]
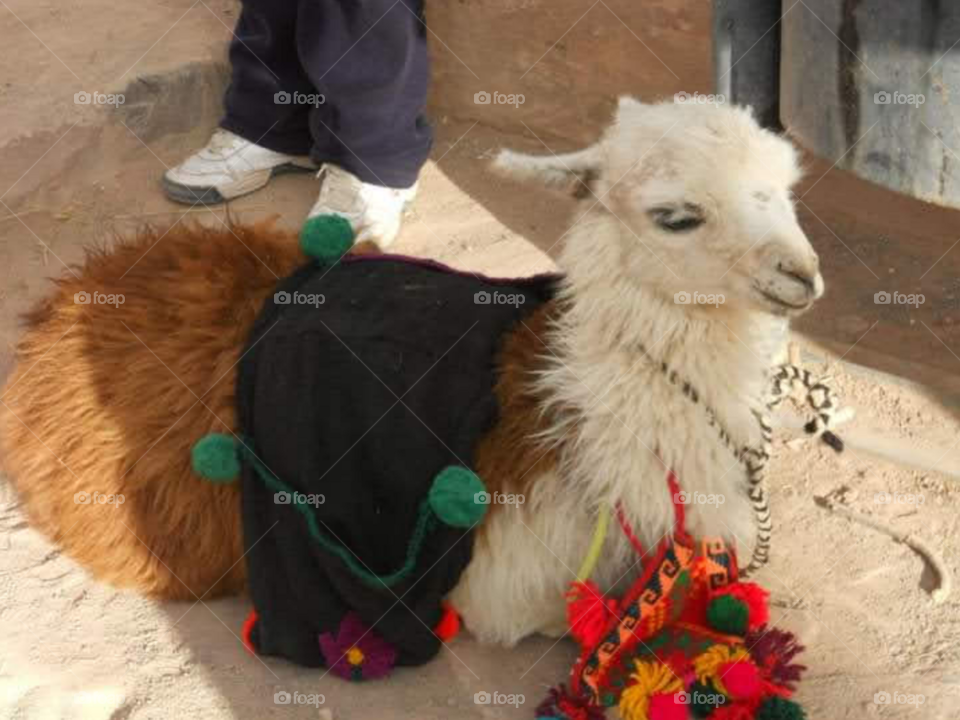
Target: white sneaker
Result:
[[228, 167], [373, 211]]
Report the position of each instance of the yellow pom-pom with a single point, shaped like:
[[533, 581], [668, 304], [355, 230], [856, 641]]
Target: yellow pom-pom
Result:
[[707, 665], [649, 679]]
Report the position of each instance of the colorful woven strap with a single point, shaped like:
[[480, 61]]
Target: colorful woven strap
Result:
[[680, 518], [628, 530]]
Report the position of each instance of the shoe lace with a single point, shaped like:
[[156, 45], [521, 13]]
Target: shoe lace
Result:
[[340, 190], [222, 143]]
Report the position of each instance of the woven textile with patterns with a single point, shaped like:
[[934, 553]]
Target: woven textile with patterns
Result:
[[688, 640]]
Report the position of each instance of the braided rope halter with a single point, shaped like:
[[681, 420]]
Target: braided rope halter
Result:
[[785, 378]]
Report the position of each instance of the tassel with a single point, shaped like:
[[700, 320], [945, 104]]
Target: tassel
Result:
[[735, 711], [754, 597], [773, 651], [649, 681], [708, 665], [246, 632], [449, 624], [560, 705], [588, 613], [728, 614], [779, 709], [740, 680], [667, 706]]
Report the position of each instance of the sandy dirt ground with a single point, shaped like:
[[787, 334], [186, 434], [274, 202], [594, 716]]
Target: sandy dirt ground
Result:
[[861, 600]]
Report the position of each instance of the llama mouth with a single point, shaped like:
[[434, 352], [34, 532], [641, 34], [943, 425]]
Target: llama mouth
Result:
[[780, 304]]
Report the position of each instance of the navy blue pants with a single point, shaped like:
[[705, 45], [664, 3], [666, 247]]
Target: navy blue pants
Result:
[[367, 58]]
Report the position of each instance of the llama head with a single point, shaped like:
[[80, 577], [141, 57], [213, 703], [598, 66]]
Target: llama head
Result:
[[686, 199]]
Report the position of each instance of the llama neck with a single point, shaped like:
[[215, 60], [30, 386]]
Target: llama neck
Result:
[[630, 423], [724, 355]]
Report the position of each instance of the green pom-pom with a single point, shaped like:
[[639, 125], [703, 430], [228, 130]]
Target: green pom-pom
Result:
[[778, 708], [326, 237], [728, 614], [214, 458], [700, 694], [458, 497]]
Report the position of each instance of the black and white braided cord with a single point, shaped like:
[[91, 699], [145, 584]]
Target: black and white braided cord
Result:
[[819, 397], [785, 380]]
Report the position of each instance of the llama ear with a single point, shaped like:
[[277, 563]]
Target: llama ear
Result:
[[629, 108], [627, 104], [629, 113], [575, 173]]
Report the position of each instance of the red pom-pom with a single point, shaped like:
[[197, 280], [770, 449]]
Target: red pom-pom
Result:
[[754, 597], [736, 711], [449, 624], [247, 630], [741, 679], [665, 706], [588, 613]]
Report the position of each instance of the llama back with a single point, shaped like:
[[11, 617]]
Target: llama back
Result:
[[146, 337]]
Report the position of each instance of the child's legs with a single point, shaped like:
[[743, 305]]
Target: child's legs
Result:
[[263, 57], [369, 59]]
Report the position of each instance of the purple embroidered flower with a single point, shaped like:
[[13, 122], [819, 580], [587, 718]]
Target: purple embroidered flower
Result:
[[357, 652]]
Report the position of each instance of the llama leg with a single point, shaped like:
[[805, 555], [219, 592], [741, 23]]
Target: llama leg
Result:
[[558, 629], [522, 564]]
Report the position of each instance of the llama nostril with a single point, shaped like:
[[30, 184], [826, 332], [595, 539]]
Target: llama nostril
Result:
[[807, 281]]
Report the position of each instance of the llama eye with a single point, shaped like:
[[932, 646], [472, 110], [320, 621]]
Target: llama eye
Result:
[[678, 219]]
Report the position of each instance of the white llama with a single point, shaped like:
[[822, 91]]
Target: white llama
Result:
[[677, 202]]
